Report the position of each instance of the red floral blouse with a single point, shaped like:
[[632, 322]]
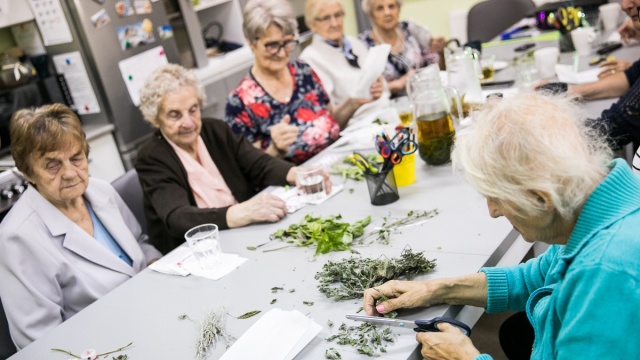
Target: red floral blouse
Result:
[[251, 112]]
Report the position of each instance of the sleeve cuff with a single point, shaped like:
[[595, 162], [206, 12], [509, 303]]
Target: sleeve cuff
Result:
[[483, 357], [497, 289]]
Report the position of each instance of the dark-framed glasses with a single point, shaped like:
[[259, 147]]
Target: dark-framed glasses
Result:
[[274, 47], [325, 19]]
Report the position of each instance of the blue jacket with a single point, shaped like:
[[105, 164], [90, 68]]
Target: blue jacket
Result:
[[583, 298]]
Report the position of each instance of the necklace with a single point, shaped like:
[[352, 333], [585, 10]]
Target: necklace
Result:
[[398, 44]]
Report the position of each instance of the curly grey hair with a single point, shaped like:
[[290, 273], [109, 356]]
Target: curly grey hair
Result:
[[533, 142], [367, 6], [260, 14], [164, 80]]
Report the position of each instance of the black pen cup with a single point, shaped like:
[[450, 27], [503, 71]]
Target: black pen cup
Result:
[[382, 186]]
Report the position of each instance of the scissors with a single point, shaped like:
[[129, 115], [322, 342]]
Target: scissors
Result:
[[394, 149], [420, 325]]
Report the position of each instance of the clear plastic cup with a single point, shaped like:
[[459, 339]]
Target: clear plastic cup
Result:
[[204, 242]]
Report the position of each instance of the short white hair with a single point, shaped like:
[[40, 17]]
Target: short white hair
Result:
[[312, 8], [367, 6], [533, 142], [258, 15]]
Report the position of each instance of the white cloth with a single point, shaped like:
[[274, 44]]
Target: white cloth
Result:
[[338, 77], [50, 268]]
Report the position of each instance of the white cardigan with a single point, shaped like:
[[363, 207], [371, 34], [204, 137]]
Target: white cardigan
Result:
[[50, 268], [338, 77]]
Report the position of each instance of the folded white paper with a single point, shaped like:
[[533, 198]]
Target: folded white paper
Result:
[[182, 262], [371, 69], [295, 200], [277, 335], [566, 74]]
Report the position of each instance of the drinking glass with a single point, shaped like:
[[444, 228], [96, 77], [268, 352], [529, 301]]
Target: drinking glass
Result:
[[312, 181], [404, 108], [204, 242]]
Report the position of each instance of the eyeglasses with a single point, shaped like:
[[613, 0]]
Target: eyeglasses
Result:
[[325, 19], [275, 46]]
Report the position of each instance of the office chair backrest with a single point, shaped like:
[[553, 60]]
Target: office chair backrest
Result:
[[489, 18], [130, 191], [7, 348]]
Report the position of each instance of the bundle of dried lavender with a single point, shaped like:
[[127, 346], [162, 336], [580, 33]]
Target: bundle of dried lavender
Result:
[[212, 328]]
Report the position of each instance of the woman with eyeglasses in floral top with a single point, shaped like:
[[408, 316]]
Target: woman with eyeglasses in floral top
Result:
[[281, 106]]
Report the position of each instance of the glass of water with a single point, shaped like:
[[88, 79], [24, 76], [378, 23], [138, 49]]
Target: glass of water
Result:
[[204, 241], [311, 180]]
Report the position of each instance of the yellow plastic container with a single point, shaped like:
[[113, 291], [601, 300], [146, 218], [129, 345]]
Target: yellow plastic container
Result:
[[405, 172]]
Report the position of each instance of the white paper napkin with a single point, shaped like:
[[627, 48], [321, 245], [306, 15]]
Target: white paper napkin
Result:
[[277, 335], [566, 74], [182, 262], [295, 200]]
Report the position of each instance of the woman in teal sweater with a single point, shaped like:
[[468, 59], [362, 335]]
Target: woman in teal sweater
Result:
[[559, 187]]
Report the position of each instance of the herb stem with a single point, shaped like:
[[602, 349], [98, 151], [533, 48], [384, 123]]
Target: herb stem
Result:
[[280, 248], [66, 352], [116, 350]]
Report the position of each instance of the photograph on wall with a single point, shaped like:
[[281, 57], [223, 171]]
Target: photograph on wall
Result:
[[124, 8], [100, 19], [134, 35], [143, 6]]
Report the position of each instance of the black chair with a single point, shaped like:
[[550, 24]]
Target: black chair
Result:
[[489, 18], [130, 191], [7, 348]]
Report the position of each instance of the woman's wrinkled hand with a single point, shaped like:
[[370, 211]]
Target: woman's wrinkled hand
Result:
[[628, 32], [437, 44], [611, 67], [264, 207], [448, 344], [400, 294], [284, 134]]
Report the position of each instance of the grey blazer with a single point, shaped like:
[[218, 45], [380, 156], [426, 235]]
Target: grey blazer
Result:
[[50, 268]]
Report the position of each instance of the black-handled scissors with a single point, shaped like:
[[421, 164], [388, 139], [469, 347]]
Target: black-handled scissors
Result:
[[430, 325]]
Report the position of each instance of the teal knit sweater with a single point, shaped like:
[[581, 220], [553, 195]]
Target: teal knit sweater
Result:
[[583, 298]]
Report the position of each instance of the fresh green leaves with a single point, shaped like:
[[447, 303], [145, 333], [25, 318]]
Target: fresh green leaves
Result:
[[348, 169], [350, 277], [308, 303], [332, 354], [366, 338], [249, 314], [327, 233]]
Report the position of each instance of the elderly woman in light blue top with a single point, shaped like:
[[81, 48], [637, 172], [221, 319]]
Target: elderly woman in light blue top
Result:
[[69, 239], [559, 187]]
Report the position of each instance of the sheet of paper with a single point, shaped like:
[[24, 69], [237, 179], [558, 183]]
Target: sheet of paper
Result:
[[137, 68], [51, 21], [72, 67], [182, 262], [28, 38], [566, 74], [277, 335], [4, 11], [372, 68]]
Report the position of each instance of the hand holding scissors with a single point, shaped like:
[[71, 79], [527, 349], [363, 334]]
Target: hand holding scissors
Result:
[[430, 325]]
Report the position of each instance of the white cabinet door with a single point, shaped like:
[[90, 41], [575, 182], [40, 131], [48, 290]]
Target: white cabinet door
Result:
[[104, 158]]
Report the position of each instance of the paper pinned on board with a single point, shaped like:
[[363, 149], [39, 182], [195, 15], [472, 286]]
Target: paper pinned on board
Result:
[[277, 335], [372, 68]]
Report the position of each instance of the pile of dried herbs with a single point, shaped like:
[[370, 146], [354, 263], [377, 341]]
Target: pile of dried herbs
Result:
[[327, 233], [366, 338], [349, 278], [212, 329]]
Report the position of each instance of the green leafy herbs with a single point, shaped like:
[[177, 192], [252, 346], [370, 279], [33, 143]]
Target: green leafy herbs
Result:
[[348, 168], [212, 329], [308, 303], [329, 323], [350, 277], [273, 301], [327, 233], [391, 225], [366, 338], [332, 354]]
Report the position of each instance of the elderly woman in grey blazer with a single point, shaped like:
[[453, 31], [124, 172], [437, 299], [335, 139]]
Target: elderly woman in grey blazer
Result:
[[69, 239]]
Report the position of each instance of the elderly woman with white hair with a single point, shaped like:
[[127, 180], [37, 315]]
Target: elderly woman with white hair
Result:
[[559, 187], [337, 58], [412, 46], [195, 171], [281, 106]]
